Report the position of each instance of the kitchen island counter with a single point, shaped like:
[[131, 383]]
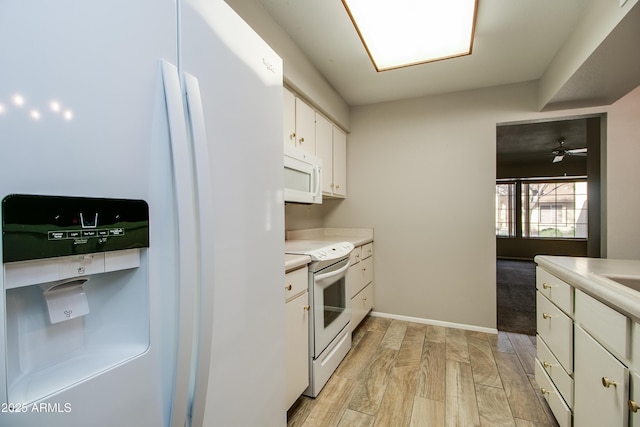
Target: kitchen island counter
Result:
[[600, 278]]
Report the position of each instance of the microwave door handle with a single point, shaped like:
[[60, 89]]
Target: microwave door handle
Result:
[[318, 177], [337, 272]]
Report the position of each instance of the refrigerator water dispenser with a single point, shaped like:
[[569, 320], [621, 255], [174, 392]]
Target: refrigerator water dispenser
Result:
[[75, 289], [66, 299]]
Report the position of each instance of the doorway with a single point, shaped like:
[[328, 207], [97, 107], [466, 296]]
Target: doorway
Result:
[[547, 202]]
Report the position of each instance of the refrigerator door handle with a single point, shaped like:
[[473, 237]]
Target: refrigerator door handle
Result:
[[204, 197], [187, 251]]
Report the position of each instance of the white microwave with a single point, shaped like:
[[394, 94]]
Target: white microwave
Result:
[[302, 176]]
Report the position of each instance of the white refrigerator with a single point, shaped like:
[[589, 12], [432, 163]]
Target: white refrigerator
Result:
[[178, 105]]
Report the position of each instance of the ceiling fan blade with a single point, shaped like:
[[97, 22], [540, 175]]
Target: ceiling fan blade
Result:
[[577, 151], [557, 159]]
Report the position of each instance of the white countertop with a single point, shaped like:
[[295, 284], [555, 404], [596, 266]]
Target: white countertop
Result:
[[593, 276], [293, 262], [357, 236]]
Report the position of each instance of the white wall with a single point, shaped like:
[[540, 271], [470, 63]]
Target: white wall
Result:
[[422, 174], [623, 178]]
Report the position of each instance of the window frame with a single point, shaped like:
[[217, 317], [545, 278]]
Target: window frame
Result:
[[522, 212]]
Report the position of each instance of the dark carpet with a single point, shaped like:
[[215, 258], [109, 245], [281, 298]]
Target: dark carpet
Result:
[[516, 289]]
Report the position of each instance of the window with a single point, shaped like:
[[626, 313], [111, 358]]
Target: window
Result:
[[555, 209], [505, 210]]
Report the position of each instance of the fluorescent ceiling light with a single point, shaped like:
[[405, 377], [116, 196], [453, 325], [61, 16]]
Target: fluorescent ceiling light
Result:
[[400, 33]]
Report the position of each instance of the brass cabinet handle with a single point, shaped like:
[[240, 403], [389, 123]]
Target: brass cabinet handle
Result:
[[546, 316], [633, 406], [337, 186], [292, 136], [544, 391], [547, 286], [606, 382], [301, 140], [307, 307], [288, 287], [364, 298], [546, 365]]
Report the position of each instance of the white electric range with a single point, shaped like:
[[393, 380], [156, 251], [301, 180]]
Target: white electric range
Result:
[[329, 336]]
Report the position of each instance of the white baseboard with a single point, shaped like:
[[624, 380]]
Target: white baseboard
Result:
[[435, 322]]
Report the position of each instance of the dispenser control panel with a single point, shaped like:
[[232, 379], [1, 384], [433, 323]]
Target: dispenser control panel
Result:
[[37, 227]]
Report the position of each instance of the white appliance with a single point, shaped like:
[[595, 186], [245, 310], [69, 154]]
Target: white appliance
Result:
[[302, 176], [177, 104], [329, 335]]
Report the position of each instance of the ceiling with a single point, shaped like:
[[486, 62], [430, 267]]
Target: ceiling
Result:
[[534, 142], [515, 41]]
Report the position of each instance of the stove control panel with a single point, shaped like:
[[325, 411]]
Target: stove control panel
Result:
[[332, 251]]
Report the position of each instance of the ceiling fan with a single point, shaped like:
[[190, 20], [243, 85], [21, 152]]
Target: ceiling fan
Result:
[[560, 152]]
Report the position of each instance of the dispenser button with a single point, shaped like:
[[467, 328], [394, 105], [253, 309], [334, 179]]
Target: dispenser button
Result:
[[57, 235]]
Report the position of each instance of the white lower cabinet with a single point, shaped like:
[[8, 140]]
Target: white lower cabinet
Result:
[[554, 358], [297, 334], [360, 283], [584, 352], [552, 395], [361, 304], [601, 385]]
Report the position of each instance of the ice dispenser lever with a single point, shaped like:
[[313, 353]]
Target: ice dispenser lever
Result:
[[66, 299]]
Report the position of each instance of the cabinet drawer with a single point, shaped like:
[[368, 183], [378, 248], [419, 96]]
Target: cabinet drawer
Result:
[[557, 291], [359, 276], [355, 256], [557, 404], [361, 304], [295, 282], [556, 329], [367, 270], [595, 403], [611, 328], [367, 250], [555, 371]]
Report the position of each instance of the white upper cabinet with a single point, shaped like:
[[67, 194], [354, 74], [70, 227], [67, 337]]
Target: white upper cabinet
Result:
[[289, 105], [331, 147], [339, 163], [299, 123], [324, 150]]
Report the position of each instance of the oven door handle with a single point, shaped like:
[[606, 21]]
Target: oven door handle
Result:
[[324, 276]]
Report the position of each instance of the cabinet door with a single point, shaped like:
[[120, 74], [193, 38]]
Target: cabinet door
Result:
[[339, 163], [305, 127], [289, 119], [297, 346], [634, 401], [324, 150], [601, 385]]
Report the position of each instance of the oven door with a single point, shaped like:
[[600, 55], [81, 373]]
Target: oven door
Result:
[[331, 306]]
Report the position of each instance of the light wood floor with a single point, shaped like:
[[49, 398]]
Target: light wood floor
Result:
[[401, 374]]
